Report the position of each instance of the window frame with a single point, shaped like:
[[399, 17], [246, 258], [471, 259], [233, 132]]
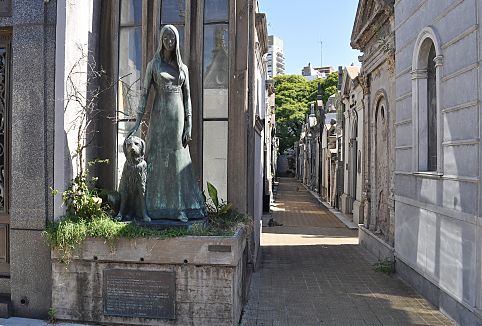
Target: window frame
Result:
[[427, 37], [120, 26]]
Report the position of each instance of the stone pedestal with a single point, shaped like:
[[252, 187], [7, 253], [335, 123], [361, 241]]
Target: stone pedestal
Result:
[[346, 204], [177, 281], [358, 212]]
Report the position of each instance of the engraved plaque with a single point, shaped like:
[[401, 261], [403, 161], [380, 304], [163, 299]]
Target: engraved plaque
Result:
[[5, 8], [219, 248], [134, 293]]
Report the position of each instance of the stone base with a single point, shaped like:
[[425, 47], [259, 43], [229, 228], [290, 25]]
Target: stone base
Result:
[[375, 245], [448, 305], [346, 204], [206, 277], [358, 209]]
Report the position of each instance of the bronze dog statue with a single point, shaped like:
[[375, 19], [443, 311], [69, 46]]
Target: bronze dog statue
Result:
[[132, 186]]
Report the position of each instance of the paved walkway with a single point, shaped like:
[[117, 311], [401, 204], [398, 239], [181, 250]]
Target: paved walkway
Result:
[[313, 272], [16, 321]]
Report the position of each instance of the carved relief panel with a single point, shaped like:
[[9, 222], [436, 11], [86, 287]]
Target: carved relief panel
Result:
[[381, 169]]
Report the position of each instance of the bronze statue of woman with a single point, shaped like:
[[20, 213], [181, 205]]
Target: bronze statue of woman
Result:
[[172, 192]]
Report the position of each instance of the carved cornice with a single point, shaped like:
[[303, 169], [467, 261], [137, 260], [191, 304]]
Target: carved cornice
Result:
[[365, 84], [262, 31], [370, 17]]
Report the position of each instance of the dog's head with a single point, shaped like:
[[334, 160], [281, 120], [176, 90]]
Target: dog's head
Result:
[[134, 149]]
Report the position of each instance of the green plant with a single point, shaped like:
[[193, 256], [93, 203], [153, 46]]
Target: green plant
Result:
[[82, 202], [221, 215], [217, 206], [386, 266], [52, 314]]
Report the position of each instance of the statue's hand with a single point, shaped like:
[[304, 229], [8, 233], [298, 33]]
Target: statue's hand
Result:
[[186, 133], [186, 137]]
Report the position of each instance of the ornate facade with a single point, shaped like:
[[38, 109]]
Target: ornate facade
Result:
[[353, 151], [373, 34]]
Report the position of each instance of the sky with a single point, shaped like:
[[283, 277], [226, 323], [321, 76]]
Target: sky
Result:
[[302, 24]]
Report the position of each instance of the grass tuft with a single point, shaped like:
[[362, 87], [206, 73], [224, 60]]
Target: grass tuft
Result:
[[386, 266]]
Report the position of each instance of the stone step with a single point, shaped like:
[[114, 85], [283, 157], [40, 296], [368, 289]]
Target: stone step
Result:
[[5, 306]]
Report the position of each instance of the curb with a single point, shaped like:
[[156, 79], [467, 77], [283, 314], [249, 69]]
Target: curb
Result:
[[339, 215]]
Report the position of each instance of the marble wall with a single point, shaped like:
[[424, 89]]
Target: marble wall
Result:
[[437, 213]]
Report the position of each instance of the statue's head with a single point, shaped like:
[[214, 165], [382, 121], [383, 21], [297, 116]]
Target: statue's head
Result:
[[169, 43], [169, 40]]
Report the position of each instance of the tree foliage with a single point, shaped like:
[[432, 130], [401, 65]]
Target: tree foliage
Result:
[[293, 97]]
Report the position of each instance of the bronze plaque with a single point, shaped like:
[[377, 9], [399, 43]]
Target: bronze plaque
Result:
[[219, 248], [5, 8], [144, 294]]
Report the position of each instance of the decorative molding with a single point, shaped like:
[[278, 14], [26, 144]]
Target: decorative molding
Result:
[[437, 176], [404, 173], [461, 71], [403, 72], [461, 107], [403, 97], [461, 36], [458, 215], [403, 122], [462, 142], [460, 178], [439, 61], [419, 74]]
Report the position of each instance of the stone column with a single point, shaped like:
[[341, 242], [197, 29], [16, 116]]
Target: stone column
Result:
[[439, 61], [365, 200]]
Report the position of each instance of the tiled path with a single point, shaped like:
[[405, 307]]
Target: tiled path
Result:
[[313, 272]]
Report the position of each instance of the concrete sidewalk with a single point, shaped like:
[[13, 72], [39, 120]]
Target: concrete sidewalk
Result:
[[314, 272]]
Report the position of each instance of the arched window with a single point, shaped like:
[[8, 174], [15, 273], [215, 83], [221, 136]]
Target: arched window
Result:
[[431, 112], [427, 131]]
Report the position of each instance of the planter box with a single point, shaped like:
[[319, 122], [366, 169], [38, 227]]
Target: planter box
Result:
[[178, 281]]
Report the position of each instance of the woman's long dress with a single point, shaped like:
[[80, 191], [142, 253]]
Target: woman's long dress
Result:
[[172, 192]]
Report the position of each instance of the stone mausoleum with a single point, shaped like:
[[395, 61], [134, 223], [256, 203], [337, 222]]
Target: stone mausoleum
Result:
[[223, 43]]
